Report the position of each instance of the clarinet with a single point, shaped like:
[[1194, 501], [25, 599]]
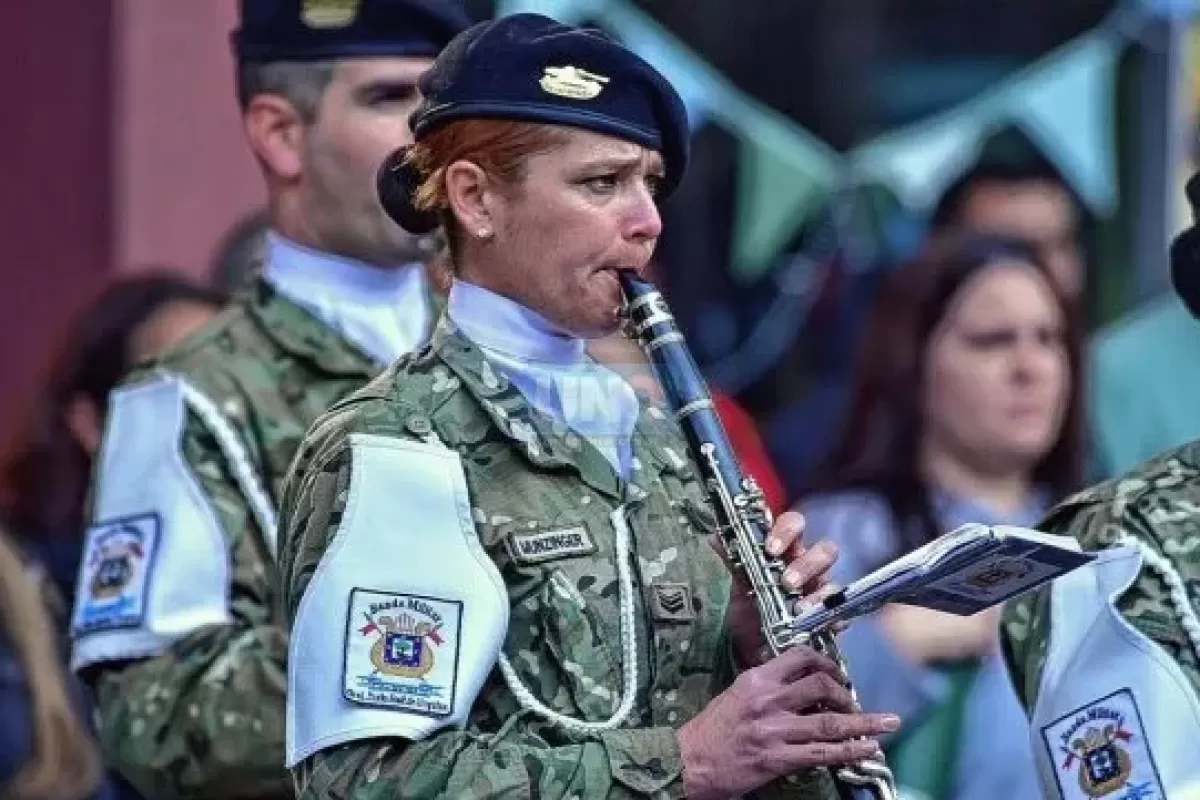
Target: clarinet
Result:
[[742, 514]]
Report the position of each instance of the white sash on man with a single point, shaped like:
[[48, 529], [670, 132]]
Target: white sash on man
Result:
[[1116, 717]]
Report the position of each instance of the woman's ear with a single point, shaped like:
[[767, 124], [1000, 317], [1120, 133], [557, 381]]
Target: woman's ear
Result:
[[472, 196]]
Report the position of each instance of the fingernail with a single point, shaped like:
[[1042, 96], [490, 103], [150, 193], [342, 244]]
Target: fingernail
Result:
[[891, 722], [791, 578], [774, 546]]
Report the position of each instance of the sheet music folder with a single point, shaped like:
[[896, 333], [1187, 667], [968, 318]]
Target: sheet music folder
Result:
[[963, 572]]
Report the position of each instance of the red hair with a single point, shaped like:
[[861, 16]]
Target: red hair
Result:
[[499, 147]]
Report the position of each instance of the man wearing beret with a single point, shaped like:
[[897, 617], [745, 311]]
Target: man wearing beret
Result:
[[1107, 659], [175, 623]]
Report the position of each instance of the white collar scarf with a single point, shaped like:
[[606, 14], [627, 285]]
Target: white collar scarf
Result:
[[552, 369], [385, 311]]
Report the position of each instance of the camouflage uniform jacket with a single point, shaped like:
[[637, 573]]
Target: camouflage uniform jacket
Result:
[[205, 718], [527, 474], [1158, 504]]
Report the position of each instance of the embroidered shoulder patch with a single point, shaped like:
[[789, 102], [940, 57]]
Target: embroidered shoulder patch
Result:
[[1100, 751], [402, 651], [538, 546], [115, 578]]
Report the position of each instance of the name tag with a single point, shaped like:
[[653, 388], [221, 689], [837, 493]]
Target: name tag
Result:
[[539, 546]]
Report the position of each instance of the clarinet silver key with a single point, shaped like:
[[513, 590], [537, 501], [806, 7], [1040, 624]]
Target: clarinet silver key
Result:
[[743, 517]]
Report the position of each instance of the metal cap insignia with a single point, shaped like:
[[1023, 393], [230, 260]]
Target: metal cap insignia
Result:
[[572, 82], [329, 13]]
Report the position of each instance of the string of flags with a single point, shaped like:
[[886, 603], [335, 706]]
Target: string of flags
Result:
[[1064, 102]]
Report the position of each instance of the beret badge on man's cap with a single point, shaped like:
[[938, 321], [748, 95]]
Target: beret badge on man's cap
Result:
[[319, 30], [328, 13]]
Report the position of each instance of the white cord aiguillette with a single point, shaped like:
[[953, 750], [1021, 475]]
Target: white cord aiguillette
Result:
[[627, 622], [628, 650], [1176, 589], [230, 445]]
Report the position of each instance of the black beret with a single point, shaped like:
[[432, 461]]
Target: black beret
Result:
[[532, 68], [312, 30]]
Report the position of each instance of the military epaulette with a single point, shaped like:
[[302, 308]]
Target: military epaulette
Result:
[[203, 360], [1128, 502], [201, 343], [404, 397], [1097, 493], [1168, 468]]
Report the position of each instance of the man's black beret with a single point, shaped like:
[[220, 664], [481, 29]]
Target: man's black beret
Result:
[[313, 30]]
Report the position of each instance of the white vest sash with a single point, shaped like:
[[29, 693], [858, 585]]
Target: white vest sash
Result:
[[1116, 718]]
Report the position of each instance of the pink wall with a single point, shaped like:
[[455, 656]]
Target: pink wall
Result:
[[182, 173], [121, 148], [55, 218]]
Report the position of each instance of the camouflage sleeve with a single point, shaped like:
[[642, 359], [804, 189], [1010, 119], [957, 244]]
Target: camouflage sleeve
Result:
[[1133, 507], [1024, 640], [205, 718], [513, 761], [1025, 624]]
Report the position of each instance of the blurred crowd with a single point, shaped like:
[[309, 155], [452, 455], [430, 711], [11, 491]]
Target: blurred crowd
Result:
[[977, 394]]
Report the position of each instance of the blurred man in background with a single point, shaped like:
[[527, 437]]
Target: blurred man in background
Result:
[[1026, 199], [174, 621]]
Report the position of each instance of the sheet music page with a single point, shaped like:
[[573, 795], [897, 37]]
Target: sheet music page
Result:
[[963, 572]]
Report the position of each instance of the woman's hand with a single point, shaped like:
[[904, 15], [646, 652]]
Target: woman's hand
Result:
[[790, 714], [807, 572]]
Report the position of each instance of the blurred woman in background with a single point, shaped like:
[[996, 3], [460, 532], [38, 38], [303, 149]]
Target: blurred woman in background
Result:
[[46, 752], [965, 408], [44, 478]]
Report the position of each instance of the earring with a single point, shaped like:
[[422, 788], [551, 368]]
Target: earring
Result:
[[485, 233]]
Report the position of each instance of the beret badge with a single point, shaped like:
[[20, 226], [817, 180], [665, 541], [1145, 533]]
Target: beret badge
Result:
[[572, 82], [329, 13]]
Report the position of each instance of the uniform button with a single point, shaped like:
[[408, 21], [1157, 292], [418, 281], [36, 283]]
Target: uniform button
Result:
[[419, 425]]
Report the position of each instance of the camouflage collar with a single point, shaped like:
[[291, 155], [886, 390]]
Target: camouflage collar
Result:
[[303, 335], [546, 442], [654, 435]]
